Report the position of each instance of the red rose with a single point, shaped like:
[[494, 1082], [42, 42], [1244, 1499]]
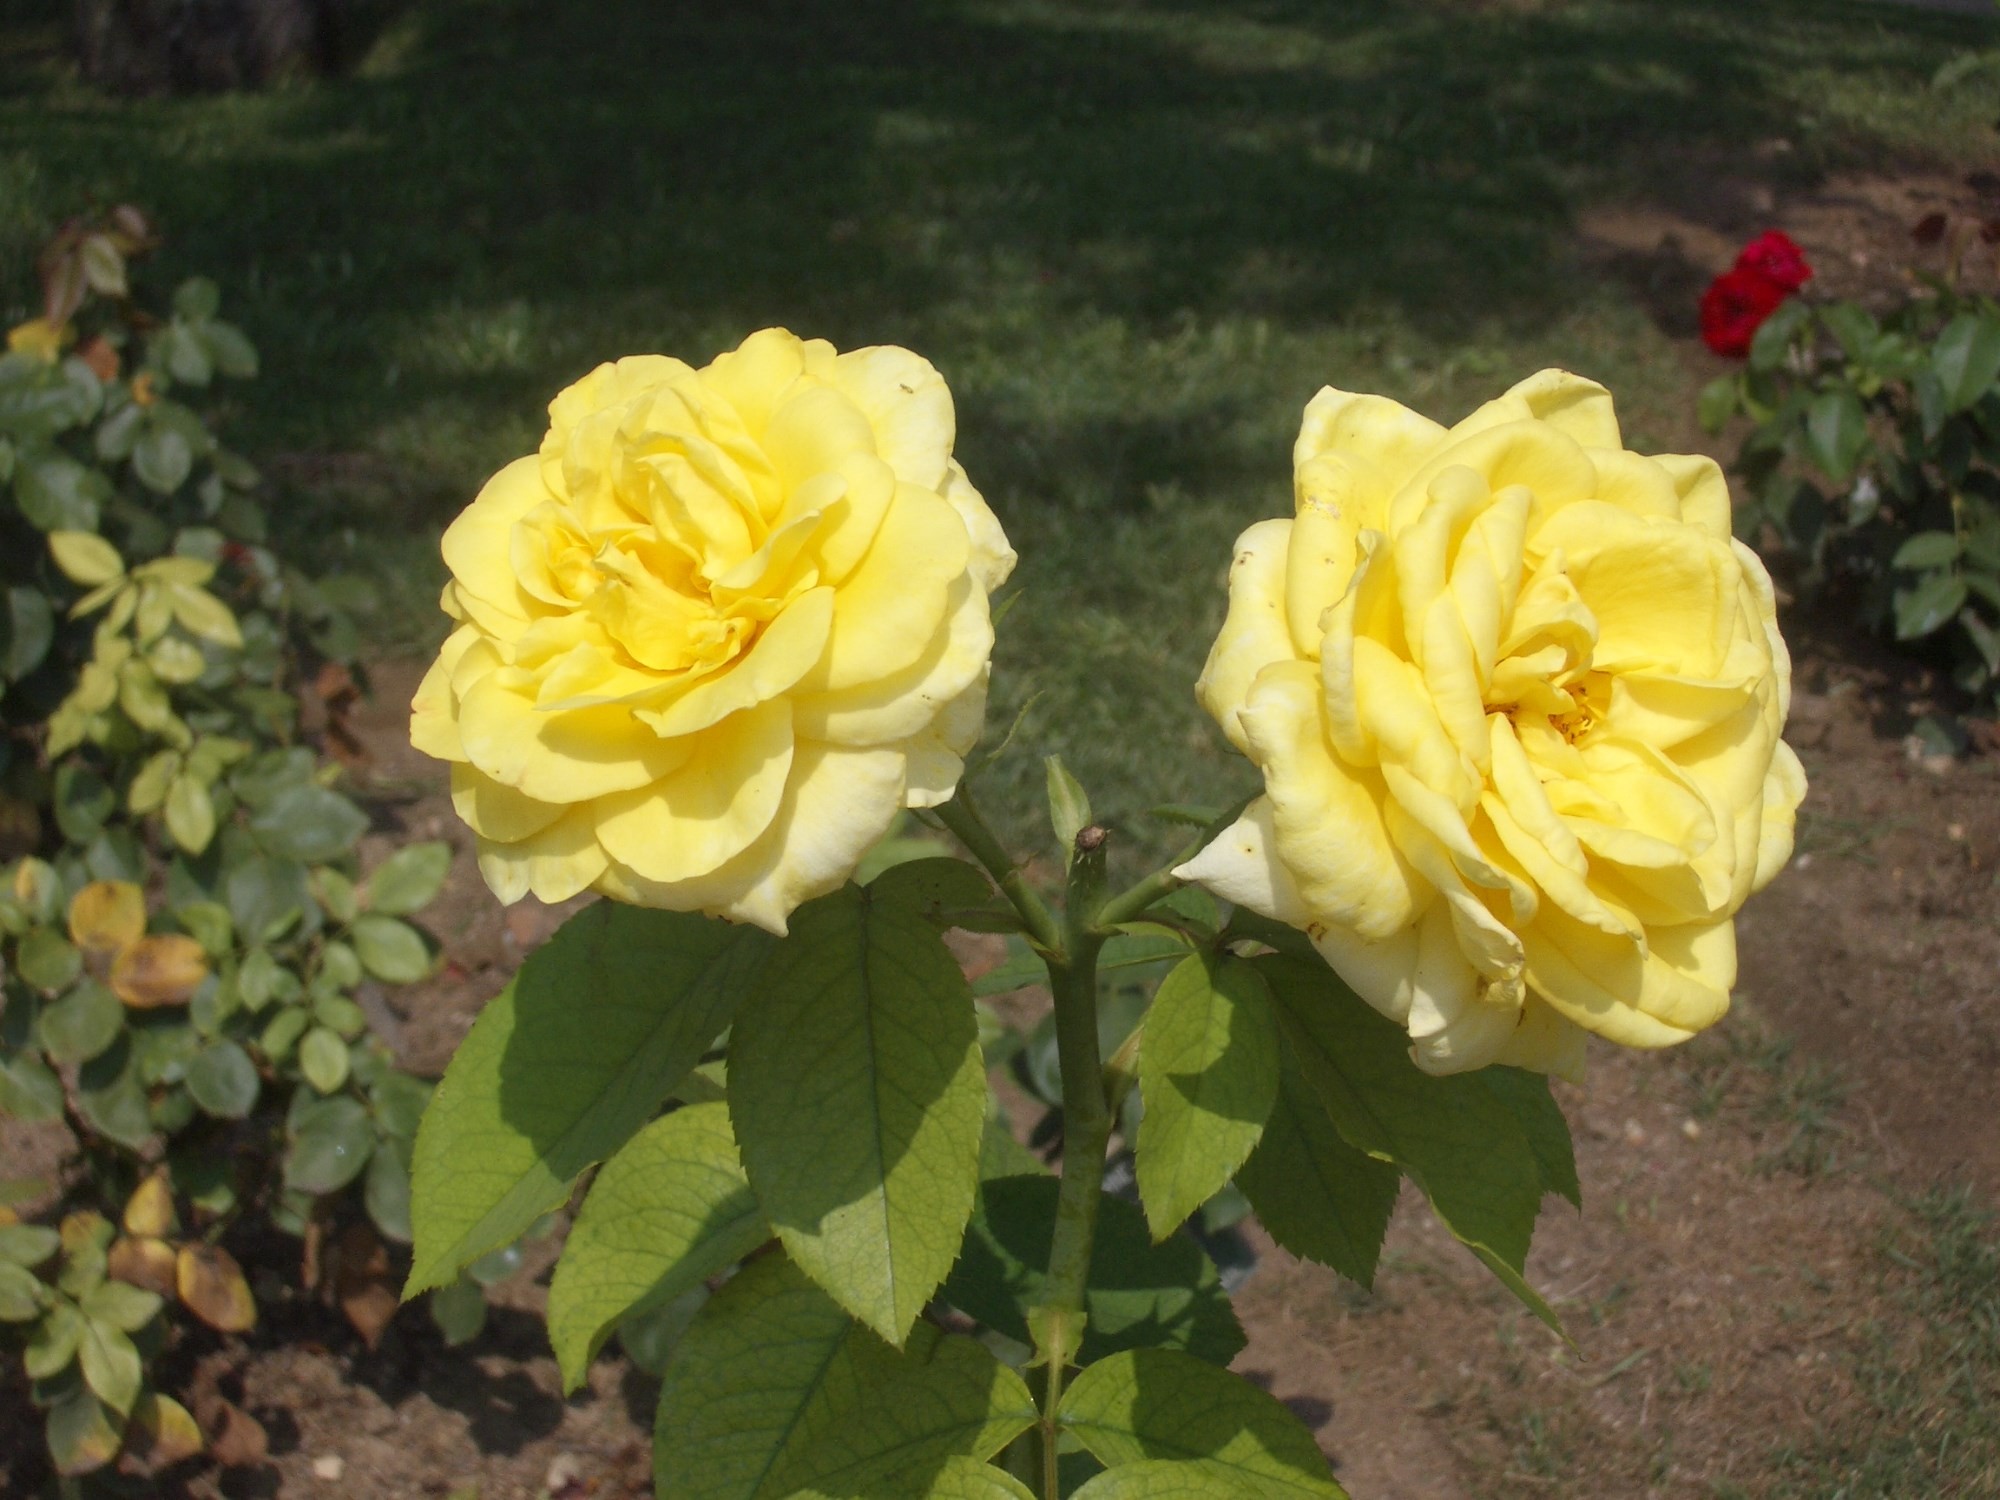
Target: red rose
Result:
[[1774, 256], [1735, 306]]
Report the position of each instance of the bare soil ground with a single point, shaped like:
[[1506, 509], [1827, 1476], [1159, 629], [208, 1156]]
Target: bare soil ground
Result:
[[1730, 1286]]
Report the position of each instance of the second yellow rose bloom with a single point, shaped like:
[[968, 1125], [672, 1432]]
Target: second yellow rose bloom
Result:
[[1516, 694]]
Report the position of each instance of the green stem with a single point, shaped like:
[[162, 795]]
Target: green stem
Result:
[[962, 818], [1135, 899], [1086, 1134]]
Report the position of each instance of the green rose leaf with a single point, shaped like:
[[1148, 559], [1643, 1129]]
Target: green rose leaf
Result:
[[776, 1392], [1966, 358], [409, 879], [52, 1345], [22, 1295], [31, 626], [969, 1479], [47, 960], [1541, 1120], [56, 493], [859, 1099], [459, 1310], [28, 1245], [1159, 1404], [385, 1193], [29, 1090], [561, 1069], [323, 1059], [190, 814], [1316, 1195], [112, 1097], [224, 1081], [1927, 549], [83, 801], [1139, 1294], [667, 1212], [1069, 807], [110, 1363], [1929, 605], [331, 1142], [390, 949], [81, 1024], [1165, 1479], [161, 458], [1836, 432], [82, 1433], [120, 1305], [308, 823], [1457, 1139], [1208, 1074]]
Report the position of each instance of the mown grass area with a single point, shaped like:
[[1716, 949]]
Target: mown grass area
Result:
[[1136, 237]]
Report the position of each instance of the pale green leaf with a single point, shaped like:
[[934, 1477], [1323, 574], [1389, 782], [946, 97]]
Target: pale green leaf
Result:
[[859, 1098], [1166, 1479], [1158, 1404], [323, 1059], [120, 1305], [667, 1212], [110, 1364], [390, 949], [1138, 1295], [82, 1434], [85, 557], [190, 814], [776, 1392], [408, 879], [558, 1072], [970, 1479], [1208, 1074], [1315, 1194]]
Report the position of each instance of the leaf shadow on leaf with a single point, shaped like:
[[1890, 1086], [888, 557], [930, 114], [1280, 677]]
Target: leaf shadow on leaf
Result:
[[1140, 1294]]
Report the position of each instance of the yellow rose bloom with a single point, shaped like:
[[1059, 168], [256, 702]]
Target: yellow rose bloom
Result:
[[1516, 694], [717, 632]]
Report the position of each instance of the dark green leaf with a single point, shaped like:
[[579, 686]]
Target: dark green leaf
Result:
[[1157, 1404], [112, 1098], [1318, 1196], [459, 1310], [48, 960], [1966, 358], [1928, 605], [56, 493], [1541, 1120], [1836, 431], [573, 1057], [331, 1143], [81, 1024], [30, 628], [1717, 404], [83, 801], [310, 824], [776, 1392], [28, 1090], [1927, 549], [1140, 1294], [386, 1195], [1454, 1136], [161, 458], [224, 1081]]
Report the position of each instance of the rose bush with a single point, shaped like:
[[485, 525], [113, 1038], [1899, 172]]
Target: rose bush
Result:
[[1516, 695], [718, 632]]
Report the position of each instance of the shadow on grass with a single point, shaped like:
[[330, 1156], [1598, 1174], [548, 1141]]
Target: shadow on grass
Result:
[[506, 191]]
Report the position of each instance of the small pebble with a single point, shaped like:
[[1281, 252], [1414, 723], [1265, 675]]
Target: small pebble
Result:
[[1955, 832], [1635, 1133], [1691, 1129], [329, 1468]]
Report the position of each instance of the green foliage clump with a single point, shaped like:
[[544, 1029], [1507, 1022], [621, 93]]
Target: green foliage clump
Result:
[[1875, 461], [188, 940]]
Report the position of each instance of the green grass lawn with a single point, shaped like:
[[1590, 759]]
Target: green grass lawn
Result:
[[1135, 237]]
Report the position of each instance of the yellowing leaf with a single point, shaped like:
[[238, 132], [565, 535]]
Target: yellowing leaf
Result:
[[211, 1284], [85, 557], [150, 1210], [143, 1262], [161, 1433], [105, 918], [161, 970], [176, 570]]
